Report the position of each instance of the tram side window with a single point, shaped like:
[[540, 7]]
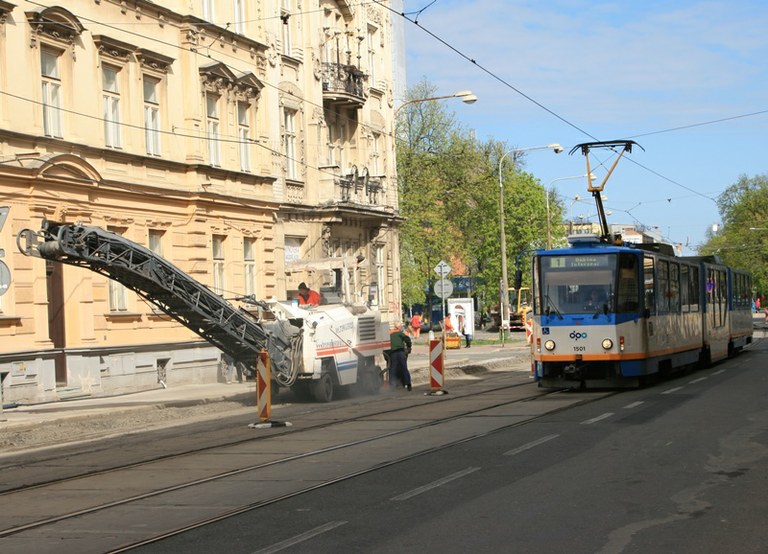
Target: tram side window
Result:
[[685, 288], [735, 298], [722, 296], [663, 289], [628, 297], [649, 282], [674, 288], [716, 297], [742, 286], [694, 289]]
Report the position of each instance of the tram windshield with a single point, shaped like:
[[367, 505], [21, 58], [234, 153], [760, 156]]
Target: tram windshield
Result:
[[587, 283]]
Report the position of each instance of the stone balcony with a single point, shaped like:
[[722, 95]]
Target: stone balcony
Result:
[[343, 84]]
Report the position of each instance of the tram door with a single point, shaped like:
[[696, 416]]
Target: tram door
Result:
[[55, 288]]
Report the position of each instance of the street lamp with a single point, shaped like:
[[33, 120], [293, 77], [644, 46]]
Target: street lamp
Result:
[[556, 148], [466, 96], [546, 192]]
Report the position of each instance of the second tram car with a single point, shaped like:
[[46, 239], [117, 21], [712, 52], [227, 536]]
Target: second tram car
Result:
[[613, 316]]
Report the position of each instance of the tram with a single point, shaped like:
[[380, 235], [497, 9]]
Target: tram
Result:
[[613, 314]]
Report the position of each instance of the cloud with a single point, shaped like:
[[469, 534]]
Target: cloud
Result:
[[596, 62]]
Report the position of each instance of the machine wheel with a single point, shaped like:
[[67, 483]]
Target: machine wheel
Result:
[[302, 391], [371, 380], [323, 388]]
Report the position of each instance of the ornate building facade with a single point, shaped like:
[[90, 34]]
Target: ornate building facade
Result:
[[239, 140]]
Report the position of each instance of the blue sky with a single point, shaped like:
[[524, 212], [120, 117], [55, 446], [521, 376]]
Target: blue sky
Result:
[[612, 70]]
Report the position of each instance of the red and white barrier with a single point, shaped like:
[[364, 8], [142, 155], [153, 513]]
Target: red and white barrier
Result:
[[436, 366], [528, 329], [264, 394], [264, 385]]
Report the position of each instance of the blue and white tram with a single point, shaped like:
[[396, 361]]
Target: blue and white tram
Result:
[[612, 316]]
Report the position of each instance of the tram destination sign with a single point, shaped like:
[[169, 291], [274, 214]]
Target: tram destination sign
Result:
[[578, 262]]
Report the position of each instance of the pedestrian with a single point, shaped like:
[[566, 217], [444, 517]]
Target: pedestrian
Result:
[[466, 329], [447, 324], [400, 347], [416, 325], [757, 303]]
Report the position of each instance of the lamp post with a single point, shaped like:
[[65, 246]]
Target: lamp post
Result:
[[546, 192], [556, 148], [466, 96]]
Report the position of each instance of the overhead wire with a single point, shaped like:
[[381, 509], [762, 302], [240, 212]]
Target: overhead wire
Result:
[[392, 135], [569, 123]]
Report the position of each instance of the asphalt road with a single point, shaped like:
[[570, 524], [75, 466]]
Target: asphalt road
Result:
[[674, 468]]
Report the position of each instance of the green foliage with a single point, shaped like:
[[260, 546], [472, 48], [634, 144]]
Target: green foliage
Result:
[[743, 239], [449, 199]]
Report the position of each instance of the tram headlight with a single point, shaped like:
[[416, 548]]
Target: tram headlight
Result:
[[607, 344], [549, 345]]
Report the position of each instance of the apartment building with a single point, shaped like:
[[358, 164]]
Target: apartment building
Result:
[[239, 140]]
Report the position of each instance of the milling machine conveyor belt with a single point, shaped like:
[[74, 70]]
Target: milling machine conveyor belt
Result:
[[171, 290]]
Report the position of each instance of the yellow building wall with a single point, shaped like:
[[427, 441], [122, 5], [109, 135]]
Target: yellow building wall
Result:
[[76, 176]]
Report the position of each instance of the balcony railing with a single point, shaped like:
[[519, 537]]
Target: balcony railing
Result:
[[359, 188], [343, 82]]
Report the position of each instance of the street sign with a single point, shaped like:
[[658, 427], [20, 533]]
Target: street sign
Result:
[[442, 269], [443, 288]]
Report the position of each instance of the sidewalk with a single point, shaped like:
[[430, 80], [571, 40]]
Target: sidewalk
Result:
[[513, 355]]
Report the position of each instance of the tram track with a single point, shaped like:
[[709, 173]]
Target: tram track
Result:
[[415, 420], [300, 410]]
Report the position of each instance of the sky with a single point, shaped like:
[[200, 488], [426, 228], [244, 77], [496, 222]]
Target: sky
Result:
[[686, 80]]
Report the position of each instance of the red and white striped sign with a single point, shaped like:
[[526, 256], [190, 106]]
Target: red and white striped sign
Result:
[[436, 365], [263, 386]]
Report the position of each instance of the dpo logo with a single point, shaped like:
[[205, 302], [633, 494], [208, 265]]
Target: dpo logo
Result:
[[575, 335]]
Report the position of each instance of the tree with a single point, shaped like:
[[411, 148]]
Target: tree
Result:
[[449, 199], [743, 239]]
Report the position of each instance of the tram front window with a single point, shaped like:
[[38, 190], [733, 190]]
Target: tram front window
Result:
[[578, 284]]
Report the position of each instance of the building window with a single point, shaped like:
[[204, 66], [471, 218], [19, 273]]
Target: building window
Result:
[[208, 12], [151, 115], [218, 264], [239, 17], [117, 296], [293, 249], [111, 104], [285, 17], [244, 135], [249, 262], [212, 123], [372, 39], [51, 79], [289, 143], [155, 240], [331, 144], [376, 155], [337, 136], [380, 276]]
